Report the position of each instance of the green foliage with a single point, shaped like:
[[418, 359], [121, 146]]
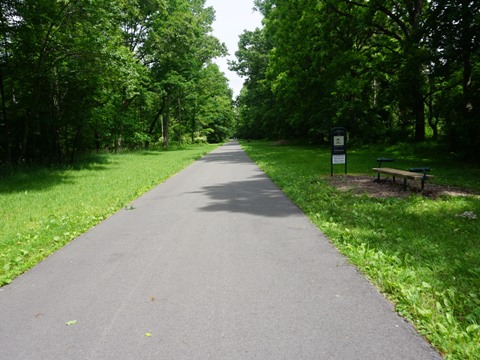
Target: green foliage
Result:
[[258, 112], [42, 209], [83, 75], [422, 253], [382, 69], [214, 112]]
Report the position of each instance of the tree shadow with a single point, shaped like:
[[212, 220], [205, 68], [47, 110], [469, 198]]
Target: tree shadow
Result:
[[234, 156], [257, 196], [230, 157], [37, 178]]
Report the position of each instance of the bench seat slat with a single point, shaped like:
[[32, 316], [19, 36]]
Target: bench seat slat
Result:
[[402, 173]]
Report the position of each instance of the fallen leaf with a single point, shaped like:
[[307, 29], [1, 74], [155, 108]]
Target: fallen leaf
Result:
[[148, 334], [71, 322]]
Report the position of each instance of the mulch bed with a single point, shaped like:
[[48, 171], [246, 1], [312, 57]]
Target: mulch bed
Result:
[[387, 188]]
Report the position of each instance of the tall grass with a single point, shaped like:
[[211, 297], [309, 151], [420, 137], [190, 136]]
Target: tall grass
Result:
[[422, 253], [43, 209]]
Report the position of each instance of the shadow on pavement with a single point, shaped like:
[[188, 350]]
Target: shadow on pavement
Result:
[[257, 197], [230, 156]]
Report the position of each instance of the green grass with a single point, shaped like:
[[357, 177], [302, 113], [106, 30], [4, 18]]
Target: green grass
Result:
[[418, 251], [43, 209]]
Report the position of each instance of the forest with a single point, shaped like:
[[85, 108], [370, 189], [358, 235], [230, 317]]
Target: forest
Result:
[[387, 70], [106, 75]]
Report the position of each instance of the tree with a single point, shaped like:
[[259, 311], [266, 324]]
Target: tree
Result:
[[181, 47], [455, 47], [372, 66], [77, 75], [215, 115], [257, 110]]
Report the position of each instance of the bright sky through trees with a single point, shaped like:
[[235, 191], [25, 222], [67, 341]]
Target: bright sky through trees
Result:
[[232, 18]]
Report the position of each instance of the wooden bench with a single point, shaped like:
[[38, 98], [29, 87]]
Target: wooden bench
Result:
[[410, 175]]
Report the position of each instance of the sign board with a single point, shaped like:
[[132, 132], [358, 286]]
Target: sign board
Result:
[[339, 141], [339, 159], [339, 147]]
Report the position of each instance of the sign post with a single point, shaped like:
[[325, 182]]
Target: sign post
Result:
[[339, 147]]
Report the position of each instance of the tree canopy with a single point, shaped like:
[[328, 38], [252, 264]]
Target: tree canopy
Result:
[[77, 75], [386, 70]]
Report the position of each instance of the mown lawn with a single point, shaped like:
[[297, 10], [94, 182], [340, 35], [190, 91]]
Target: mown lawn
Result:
[[42, 209], [422, 253]]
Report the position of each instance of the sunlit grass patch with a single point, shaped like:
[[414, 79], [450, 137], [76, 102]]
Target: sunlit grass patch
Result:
[[43, 209], [424, 254]]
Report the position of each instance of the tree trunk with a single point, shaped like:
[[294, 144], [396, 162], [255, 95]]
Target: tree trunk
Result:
[[55, 149], [431, 116], [97, 141], [153, 124], [166, 122], [23, 150], [180, 135], [467, 85], [166, 125], [6, 135], [419, 112], [194, 126], [413, 83], [418, 82]]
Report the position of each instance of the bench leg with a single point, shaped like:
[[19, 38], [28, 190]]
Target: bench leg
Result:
[[423, 184], [405, 184]]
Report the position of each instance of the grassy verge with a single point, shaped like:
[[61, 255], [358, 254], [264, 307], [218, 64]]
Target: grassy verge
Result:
[[419, 252], [43, 209]]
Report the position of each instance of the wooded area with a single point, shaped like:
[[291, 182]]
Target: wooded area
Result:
[[387, 70], [80, 75]]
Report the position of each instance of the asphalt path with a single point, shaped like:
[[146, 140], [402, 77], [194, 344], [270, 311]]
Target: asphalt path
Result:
[[214, 263]]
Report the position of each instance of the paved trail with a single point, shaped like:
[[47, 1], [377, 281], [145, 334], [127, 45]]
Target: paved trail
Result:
[[215, 263]]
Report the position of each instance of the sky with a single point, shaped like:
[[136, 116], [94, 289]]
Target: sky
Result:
[[232, 17]]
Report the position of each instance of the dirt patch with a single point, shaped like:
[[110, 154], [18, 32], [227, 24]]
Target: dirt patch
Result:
[[387, 188], [282, 142]]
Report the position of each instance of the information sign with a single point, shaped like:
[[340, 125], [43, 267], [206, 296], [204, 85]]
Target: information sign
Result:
[[339, 147], [339, 159]]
